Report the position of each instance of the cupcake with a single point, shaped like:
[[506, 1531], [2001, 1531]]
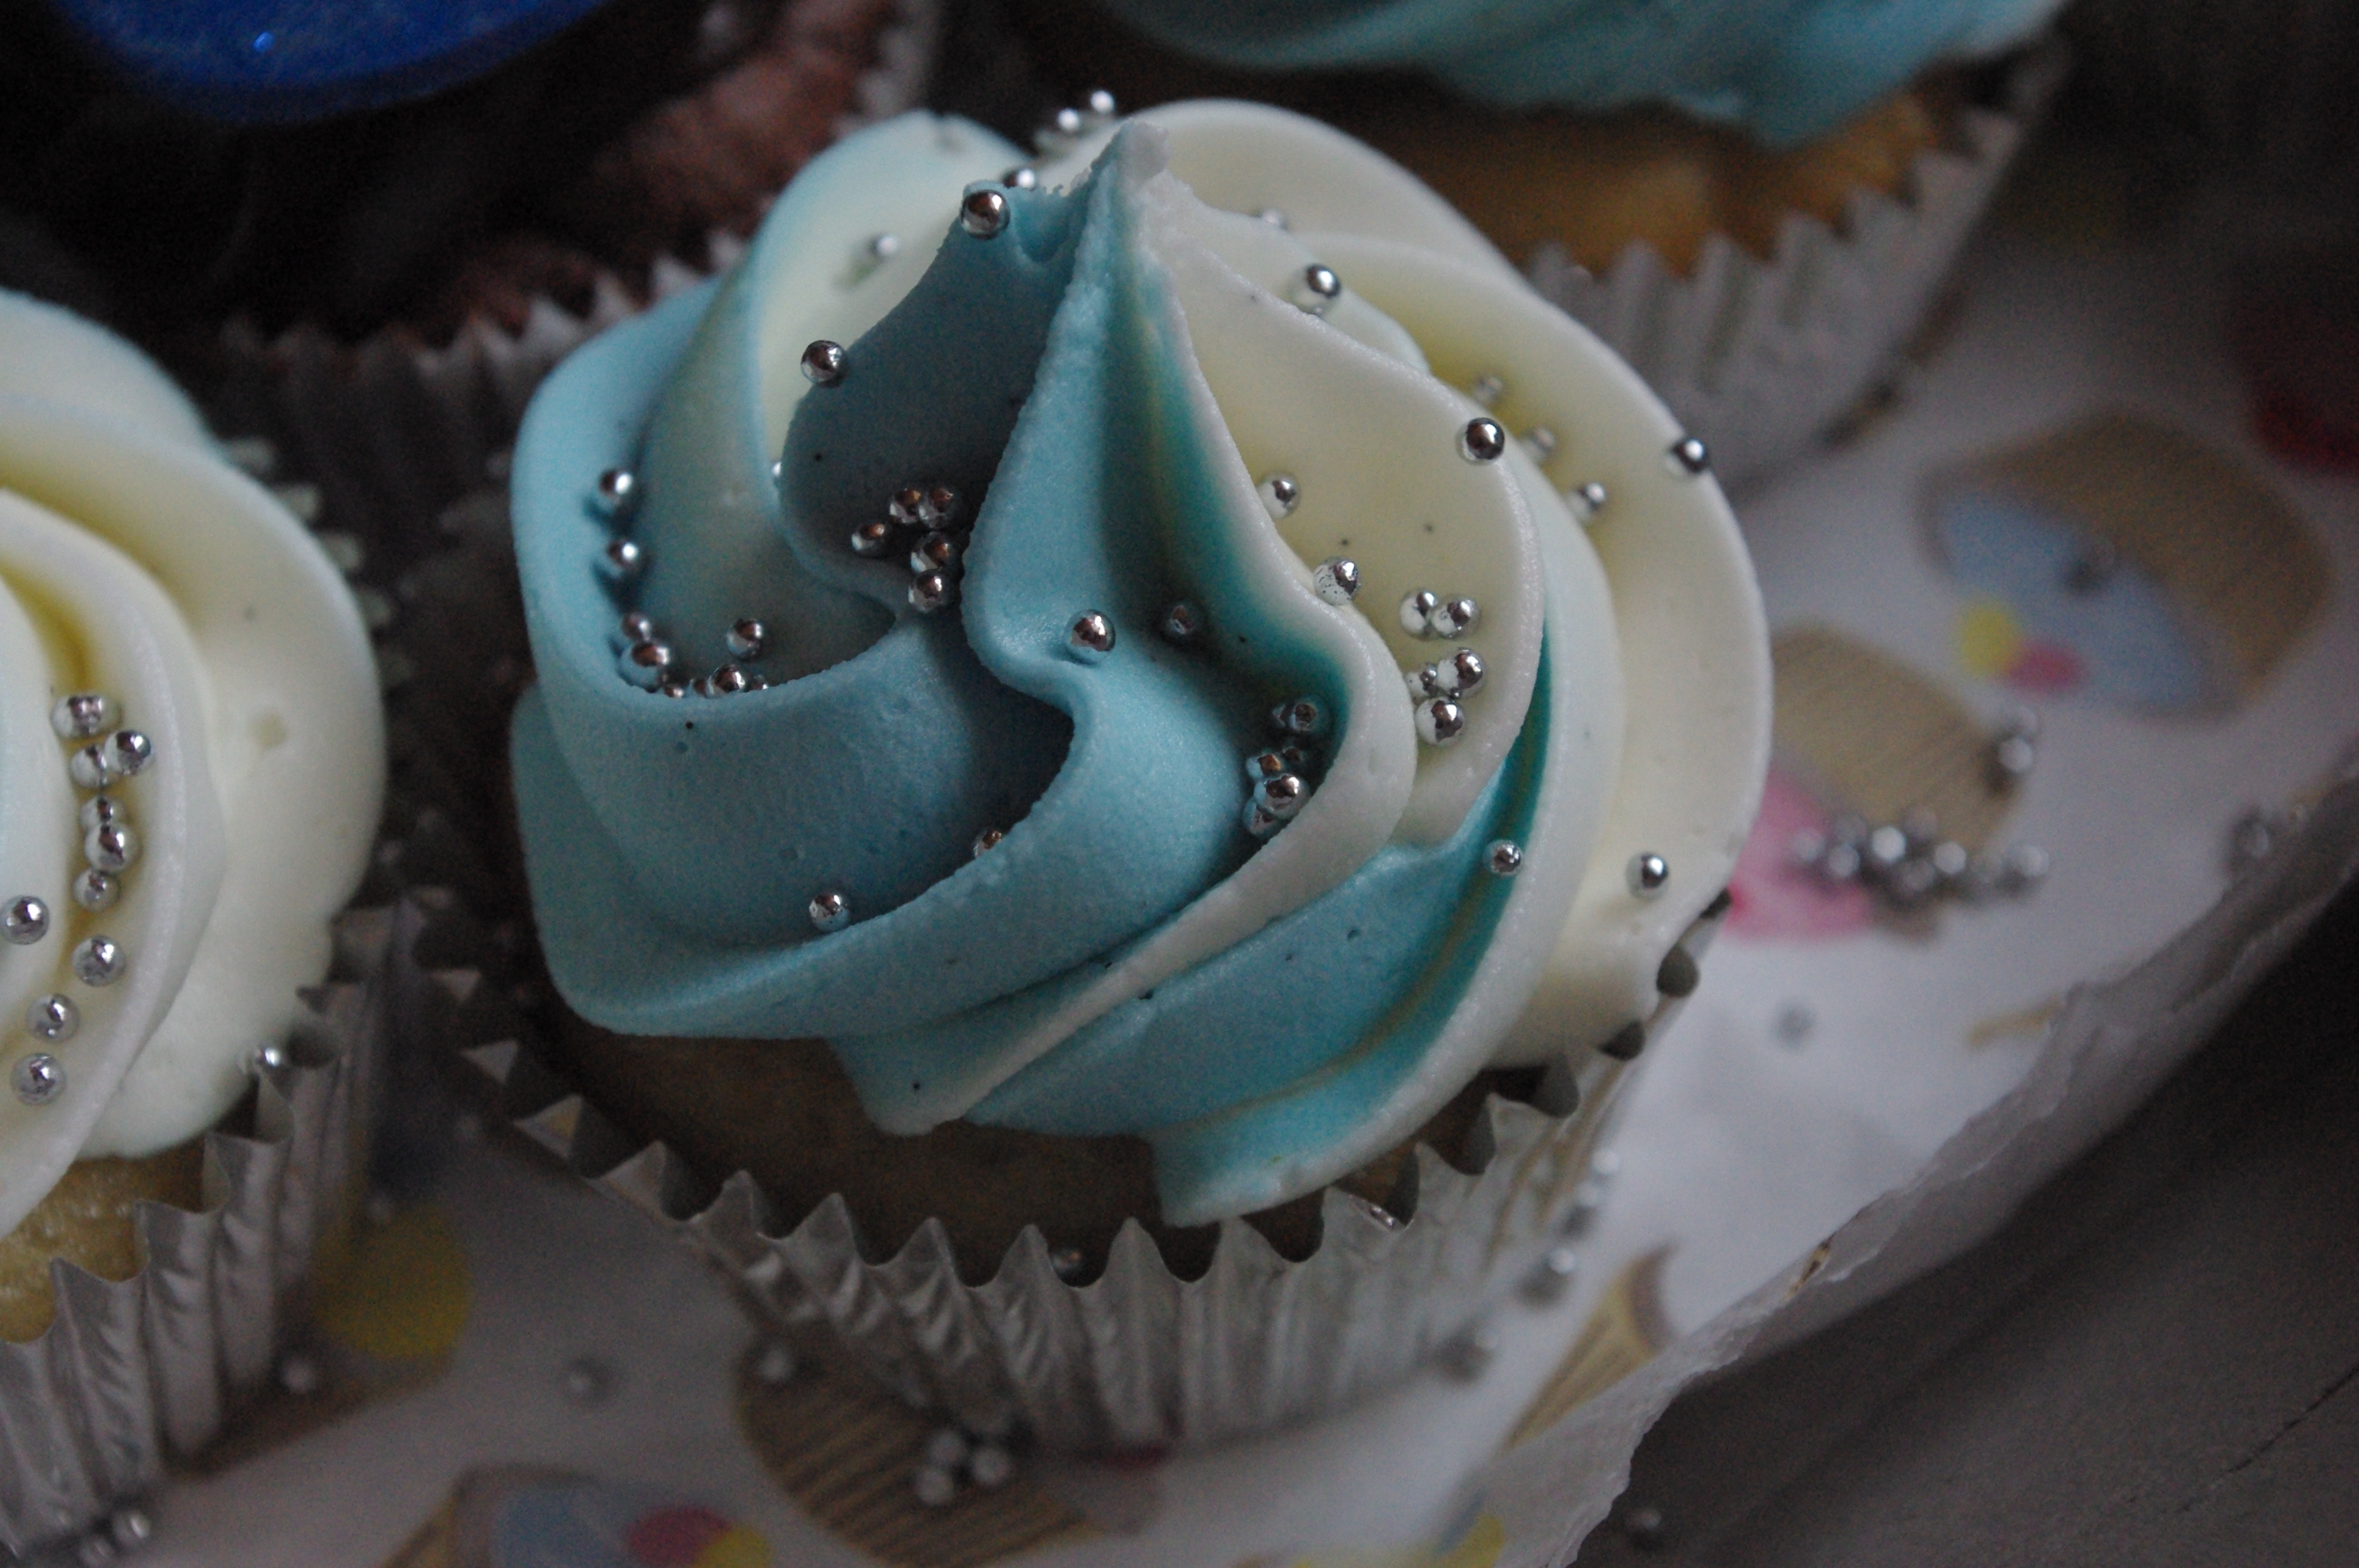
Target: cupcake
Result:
[[1753, 204], [1175, 664], [191, 765]]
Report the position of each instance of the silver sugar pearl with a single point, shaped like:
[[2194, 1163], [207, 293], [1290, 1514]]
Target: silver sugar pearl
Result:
[[1336, 579], [728, 681], [1487, 390], [983, 213], [95, 890], [1259, 820], [1100, 103], [1911, 883], [1550, 1276], [1315, 289], [128, 753], [908, 506], [1304, 716], [1281, 797], [673, 688], [25, 921], [644, 664], [874, 539], [1280, 494], [1840, 863], [1266, 765], [37, 1078], [1300, 756], [1505, 858], [991, 1466], [52, 1018], [932, 591], [1483, 440], [1068, 1263], [87, 766], [881, 248], [79, 715], [622, 561], [1887, 846], [1808, 847], [2012, 759], [2025, 868], [936, 552], [1461, 674], [1540, 442], [1090, 638], [947, 1448], [636, 628], [1440, 722], [1023, 177], [1586, 500], [100, 810], [110, 846], [747, 639], [1274, 217], [935, 1488], [830, 911], [941, 507], [1647, 874], [987, 841], [1423, 682], [1068, 122], [1644, 1526], [131, 1527], [1183, 622], [1949, 859], [1687, 456], [1417, 610], [1454, 618], [614, 492], [823, 362]]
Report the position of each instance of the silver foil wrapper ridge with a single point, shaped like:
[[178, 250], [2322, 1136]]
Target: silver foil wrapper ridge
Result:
[[1138, 1357], [133, 1374], [1763, 358]]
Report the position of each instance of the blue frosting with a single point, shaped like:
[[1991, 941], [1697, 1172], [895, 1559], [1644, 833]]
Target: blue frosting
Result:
[[1787, 70], [672, 844]]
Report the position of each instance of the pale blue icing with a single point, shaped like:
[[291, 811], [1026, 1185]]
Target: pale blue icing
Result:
[[1788, 70], [672, 844]]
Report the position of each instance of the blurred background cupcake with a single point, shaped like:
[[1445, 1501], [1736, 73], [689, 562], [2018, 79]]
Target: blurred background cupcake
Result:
[[1754, 205]]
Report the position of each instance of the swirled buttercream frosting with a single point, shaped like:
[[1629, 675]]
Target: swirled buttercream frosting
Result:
[[1788, 70], [1179, 642], [192, 758]]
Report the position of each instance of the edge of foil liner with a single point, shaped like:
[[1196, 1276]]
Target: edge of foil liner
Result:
[[1138, 1357], [134, 1373], [1763, 358]]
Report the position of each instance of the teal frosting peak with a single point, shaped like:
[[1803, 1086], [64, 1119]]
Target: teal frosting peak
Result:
[[1788, 70]]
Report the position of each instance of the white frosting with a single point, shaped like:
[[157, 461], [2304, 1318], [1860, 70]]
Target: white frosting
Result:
[[135, 563]]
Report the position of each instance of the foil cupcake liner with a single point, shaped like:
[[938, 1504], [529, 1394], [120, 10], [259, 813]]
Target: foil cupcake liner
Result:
[[132, 1375], [391, 431], [1140, 1357], [1761, 358]]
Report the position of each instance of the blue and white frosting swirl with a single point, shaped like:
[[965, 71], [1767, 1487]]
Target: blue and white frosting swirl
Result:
[[1112, 366], [1788, 70]]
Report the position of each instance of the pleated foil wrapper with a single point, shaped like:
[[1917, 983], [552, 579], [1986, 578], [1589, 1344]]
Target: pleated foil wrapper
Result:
[[1138, 1357], [393, 430], [1762, 359], [133, 1375]]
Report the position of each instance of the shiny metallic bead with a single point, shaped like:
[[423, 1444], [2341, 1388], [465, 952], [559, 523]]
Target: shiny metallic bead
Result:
[[1807, 847], [1267, 764], [728, 681], [1304, 716], [111, 845], [830, 911], [1090, 638], [874, 538], [1183, 622], [94, 890], [935, 552], [1505, 858], [935, 1488], [1911, 883], [52, 1018], [932, 591], [1887, 846], [1550, 1276], [1274, 216], [778, 471], [39, 1077], [1949, 859], [1068, 122], [98, 961], [1301, 755], [745, 639], [881, 248], [1454, 618], [644, 665], [87, 766], [823, 362], [636, 628], [1461, 674], [1336, 579], [1100, 103], [1487, 390], [1417, 610], [1644, 1526], [1023, 177], [1280, 494], [1647, 874], [1440, 721], [983, 213], [1281, 797], [1483, 440], [128, 753], [1586, 500], [1423, 682], [986, 841], [79, 715], [947, 1448], [131, 1527], [1540, 442], [991, 1466], [1259, 820], [1688, 456], [1840, 863], [1316, 288], [622, 561], [25, 921], [2025, 867], [906, 505], [614, 492], [674, 688], [941, 507]]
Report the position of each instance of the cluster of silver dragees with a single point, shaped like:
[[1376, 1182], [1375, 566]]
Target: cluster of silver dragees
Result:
[[102, 755], [643, 654]]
